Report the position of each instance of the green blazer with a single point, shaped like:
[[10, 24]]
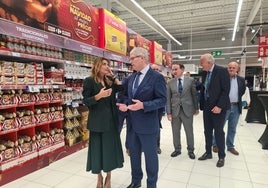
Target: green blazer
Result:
[[102, 113]]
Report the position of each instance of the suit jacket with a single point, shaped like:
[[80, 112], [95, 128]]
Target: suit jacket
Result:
[[218, 90], [241, 91], [152, 92], [188, 98], [102, 113]]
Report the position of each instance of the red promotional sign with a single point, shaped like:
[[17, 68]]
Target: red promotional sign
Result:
[[136, 40], [156, 53], [74, 19], [167, 59], [263, 46]]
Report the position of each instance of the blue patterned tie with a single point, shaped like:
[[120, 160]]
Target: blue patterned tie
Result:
[[207, 82], [136, 83], [180, 86]]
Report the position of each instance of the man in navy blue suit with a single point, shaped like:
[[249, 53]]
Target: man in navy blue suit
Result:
[[146, 93], [214, 102]]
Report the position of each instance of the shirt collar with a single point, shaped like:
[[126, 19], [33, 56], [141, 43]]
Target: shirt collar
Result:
[[145, 70]]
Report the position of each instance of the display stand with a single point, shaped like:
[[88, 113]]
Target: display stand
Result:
[[264, 137], [256, 112], [38, 163]]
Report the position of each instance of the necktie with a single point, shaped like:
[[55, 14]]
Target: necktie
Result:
[[207, 82], [136, 83], [180, 87]]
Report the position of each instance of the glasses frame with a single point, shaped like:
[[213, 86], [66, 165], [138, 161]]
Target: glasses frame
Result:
[[132, 58]]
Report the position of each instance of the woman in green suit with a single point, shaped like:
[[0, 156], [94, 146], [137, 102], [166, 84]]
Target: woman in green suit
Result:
[[99, 95]]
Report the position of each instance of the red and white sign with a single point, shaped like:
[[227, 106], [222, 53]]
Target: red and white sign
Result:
[[263, 46]]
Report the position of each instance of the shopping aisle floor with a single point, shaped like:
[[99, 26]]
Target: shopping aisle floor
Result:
[[248, 170]]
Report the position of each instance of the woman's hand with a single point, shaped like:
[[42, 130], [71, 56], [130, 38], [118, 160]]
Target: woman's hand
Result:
[[103, 93]]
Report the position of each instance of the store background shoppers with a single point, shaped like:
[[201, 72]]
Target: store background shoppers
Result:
[[146, 94], [104, 150], [161, 113]]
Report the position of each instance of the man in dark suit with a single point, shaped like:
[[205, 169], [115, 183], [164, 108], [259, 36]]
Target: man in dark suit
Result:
[[237, 90], [214, 102], [146, 92]]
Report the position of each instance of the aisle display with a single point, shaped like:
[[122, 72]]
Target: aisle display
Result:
[[42, 118]]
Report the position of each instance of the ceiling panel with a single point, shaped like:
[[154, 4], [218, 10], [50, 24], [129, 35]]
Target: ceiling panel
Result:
[[198, 24]]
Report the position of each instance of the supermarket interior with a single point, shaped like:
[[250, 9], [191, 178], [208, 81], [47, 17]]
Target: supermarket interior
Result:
[[47, 49]]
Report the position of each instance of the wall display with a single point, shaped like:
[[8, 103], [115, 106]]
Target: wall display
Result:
[[74, 19], [136, 40], [112, 32], [156, 53], [167, 59]]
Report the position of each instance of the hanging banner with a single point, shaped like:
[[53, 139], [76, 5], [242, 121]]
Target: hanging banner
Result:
[[263, 46], [156, 53], [112, 32]]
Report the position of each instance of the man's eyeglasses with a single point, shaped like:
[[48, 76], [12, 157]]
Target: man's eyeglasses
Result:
[[132, 58]]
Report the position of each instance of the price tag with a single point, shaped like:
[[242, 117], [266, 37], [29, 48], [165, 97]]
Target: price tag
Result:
[[15, 54], [75, 104]]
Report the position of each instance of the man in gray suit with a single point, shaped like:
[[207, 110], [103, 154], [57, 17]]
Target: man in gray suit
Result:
[[182, 104]]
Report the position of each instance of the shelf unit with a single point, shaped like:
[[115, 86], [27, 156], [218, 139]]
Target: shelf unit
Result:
[[41, 152]]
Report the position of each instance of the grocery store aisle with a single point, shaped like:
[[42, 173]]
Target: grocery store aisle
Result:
[[248, 170]]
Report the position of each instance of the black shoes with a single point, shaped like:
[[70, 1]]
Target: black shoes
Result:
[[175, 153], [220, 163], [205, 156], [133, 185], [191, 155], [159, 150]]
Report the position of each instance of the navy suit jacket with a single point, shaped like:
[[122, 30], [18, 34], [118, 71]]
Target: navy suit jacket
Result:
[[218, 90], [152, 92], [241, 91]]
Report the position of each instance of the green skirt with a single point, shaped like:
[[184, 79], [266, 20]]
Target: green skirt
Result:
[[104, 152]]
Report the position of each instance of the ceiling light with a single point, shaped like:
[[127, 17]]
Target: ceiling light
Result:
[[237, 18], [143, 15], [223, 37], [252, 29]]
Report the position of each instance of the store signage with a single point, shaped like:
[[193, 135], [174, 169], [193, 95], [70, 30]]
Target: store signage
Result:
[[113, 32], [82, 47], [136, 40], [167, 59], [263, 46], [216, 53], [29, 33], [156, 53], [74, 19]]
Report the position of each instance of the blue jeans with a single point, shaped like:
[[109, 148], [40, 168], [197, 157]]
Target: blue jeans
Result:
[[232, 116]]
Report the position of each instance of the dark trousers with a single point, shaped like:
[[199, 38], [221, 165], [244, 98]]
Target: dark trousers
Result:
[[214, 122], [160, 115], [143, 143]]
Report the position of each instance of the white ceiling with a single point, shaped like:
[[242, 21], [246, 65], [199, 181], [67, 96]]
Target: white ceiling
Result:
[[199, 25]]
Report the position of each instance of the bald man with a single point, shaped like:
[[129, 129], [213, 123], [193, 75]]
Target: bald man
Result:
[[237, 90]]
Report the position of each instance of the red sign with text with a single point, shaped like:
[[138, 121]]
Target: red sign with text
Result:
[[263, 46], [156, 53]]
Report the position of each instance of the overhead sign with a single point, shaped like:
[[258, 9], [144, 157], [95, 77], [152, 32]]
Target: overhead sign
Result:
[[216, 53], [263, 46]]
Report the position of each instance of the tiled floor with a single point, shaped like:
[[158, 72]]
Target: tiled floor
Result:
[[248, 170]]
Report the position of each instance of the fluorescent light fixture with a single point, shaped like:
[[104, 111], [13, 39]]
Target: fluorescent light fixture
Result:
[[237, 17], [143, 15]]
